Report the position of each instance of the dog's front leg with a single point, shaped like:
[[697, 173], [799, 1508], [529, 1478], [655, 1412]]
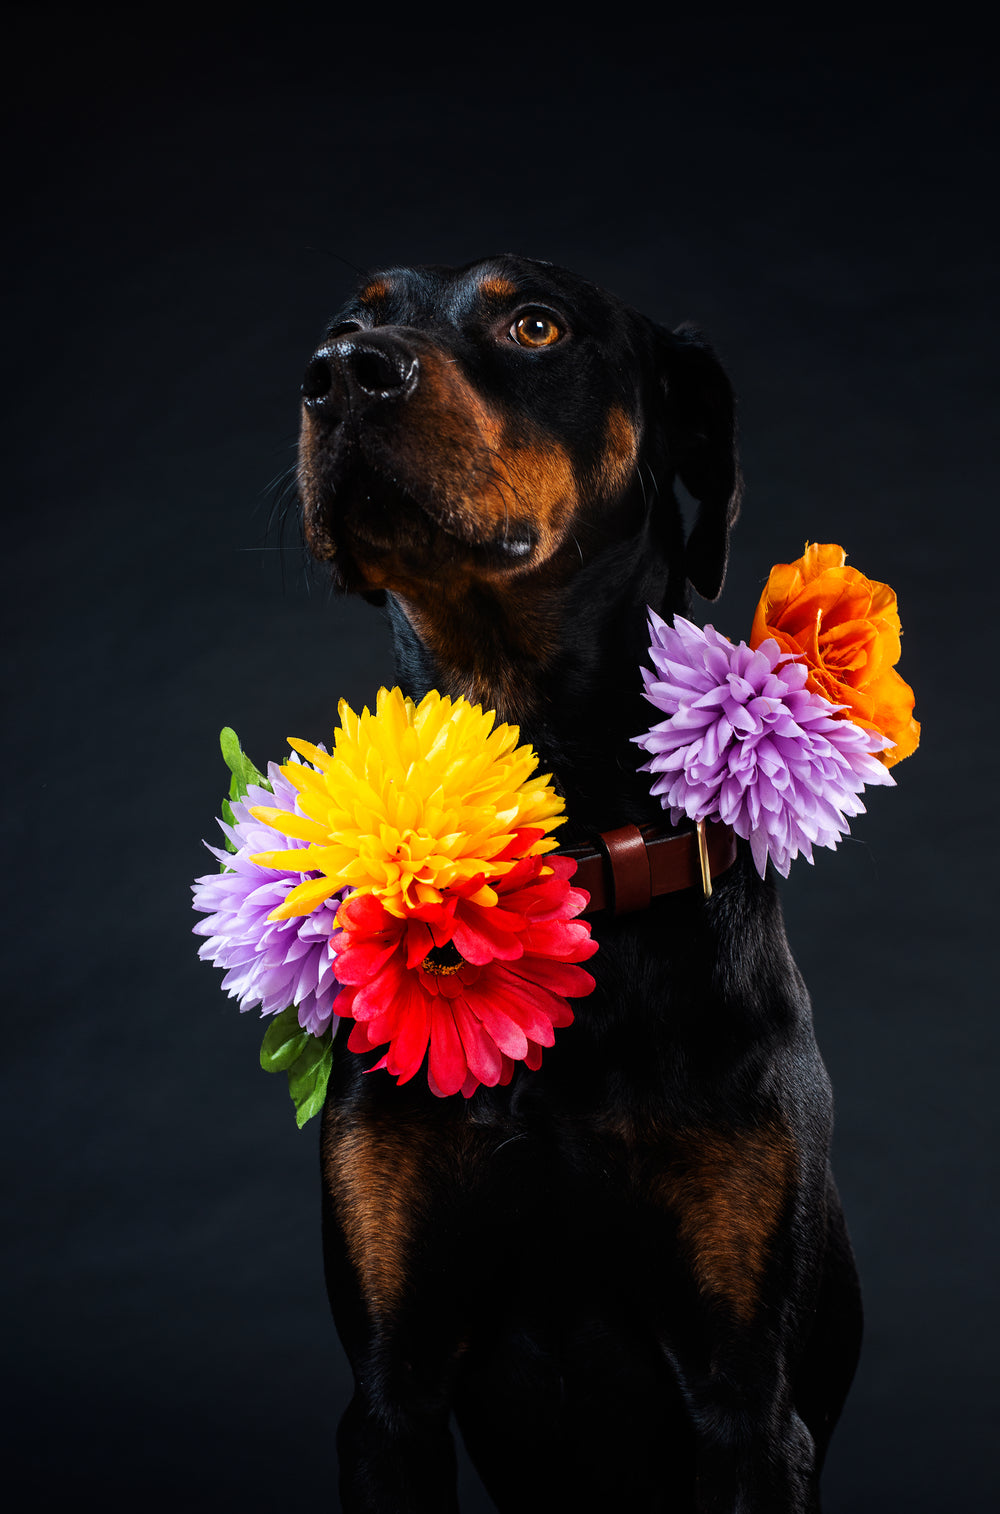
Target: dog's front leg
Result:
[[747, 1244], [754, 1453], [397, 1190], [396, 1451]]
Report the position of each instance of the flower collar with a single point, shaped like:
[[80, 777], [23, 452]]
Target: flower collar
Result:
[[418, 893]]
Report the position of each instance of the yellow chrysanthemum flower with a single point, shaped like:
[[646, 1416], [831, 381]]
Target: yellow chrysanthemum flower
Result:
[[413, 799]]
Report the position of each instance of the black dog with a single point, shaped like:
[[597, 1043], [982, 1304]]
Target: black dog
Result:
[[626, 1274]]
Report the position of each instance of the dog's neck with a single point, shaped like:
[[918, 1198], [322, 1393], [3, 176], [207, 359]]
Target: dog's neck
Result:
[[559, 657]]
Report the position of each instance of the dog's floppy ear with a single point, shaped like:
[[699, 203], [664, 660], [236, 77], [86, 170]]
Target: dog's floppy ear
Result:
[[701, 437]]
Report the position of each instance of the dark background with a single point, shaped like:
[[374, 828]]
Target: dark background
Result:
[[188, 191]]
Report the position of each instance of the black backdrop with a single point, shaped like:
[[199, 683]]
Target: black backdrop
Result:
[[189, 192]]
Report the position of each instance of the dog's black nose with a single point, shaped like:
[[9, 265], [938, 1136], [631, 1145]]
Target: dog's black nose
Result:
[[381, 372], [318, 379], [366, 369]]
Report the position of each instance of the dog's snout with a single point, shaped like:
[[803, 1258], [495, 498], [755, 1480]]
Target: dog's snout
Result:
[[365, 371]]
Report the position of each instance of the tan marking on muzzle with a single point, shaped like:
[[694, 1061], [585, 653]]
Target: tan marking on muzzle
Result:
[[483, 469], [317, 530]]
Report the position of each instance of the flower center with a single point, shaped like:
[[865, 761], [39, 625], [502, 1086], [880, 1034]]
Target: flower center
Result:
[[443, 960]]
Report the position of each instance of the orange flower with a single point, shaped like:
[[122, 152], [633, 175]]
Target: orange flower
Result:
[[846, 627]]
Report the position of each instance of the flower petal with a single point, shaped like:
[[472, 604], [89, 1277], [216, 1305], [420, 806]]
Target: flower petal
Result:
[[448, 1066]]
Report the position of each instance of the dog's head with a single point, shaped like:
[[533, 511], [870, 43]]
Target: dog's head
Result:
[[485, 433]]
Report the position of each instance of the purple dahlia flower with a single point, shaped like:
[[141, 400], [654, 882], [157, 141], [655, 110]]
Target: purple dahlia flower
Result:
[[273, 963], [747, 743]]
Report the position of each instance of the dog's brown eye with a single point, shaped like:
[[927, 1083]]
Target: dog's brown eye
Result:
[[535, 329]]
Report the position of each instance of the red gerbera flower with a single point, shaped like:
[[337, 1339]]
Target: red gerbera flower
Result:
[[479, 987]]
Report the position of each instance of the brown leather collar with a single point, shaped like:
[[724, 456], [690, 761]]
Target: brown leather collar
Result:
[[633, 866]]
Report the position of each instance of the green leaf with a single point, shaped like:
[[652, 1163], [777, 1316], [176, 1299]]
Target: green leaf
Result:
[[243, 774], [239, 764], [306, 1058], [230, 819], [284, 1041], [308, 1078]]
